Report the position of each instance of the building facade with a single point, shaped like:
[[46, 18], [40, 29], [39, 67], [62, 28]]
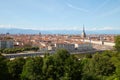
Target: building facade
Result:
[[85, 46], [6, 44], [67, 46]]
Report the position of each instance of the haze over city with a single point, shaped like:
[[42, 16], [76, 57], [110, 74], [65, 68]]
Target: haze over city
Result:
[[64, 15]]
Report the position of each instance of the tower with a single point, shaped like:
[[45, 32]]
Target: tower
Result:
[[39, 33], [83, 33]]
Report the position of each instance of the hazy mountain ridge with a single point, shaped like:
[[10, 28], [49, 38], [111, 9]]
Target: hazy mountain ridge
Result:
[[30, 31]]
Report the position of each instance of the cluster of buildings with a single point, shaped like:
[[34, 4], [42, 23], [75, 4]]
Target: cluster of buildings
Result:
[[54, 41]]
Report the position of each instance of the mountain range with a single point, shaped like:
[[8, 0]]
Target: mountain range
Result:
[[30, 31]]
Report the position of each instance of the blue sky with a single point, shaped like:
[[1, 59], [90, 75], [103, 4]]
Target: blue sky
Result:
[[60, 14]]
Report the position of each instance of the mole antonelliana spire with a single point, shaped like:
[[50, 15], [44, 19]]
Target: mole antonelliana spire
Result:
[[83, 33]]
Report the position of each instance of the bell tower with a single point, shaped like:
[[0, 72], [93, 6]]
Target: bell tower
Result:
[[83, 33]]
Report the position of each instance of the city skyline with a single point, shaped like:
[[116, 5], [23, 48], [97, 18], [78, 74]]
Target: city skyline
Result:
[[60, 14]]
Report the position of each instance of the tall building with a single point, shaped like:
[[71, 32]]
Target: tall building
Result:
[[39, 33], [6, 44], [2, 44], [83, 33]]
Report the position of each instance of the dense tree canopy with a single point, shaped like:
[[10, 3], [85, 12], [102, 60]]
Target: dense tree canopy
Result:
[[3, 69], [117, 43], [15, 68], [32, 70], [17, 50], [63, 66]]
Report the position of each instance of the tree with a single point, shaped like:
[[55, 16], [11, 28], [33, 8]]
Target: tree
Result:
[[32, 70], [59, 61], [15, 68], [101, 65], [48, 68], [72, 68], [3, 69], [61, 54], [61, 66], [98, 67], [117, 43]]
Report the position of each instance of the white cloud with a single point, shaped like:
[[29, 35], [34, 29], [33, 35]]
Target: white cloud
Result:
[[76, 8], [103, 28], [6, 26], [101, 5], [106, 13], [10, 26], [58, 28]]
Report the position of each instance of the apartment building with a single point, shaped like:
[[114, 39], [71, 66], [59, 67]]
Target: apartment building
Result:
[[67, 46], [6, 44], [83, 46]]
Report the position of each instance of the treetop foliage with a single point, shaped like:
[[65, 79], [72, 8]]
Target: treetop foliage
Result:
[[117, 43], [62, 66]]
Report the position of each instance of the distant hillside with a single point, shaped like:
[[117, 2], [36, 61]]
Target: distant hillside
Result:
[[30, 31]]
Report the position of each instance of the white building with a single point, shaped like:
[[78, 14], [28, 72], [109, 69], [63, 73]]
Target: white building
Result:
[[67, 46], [83, 46]]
